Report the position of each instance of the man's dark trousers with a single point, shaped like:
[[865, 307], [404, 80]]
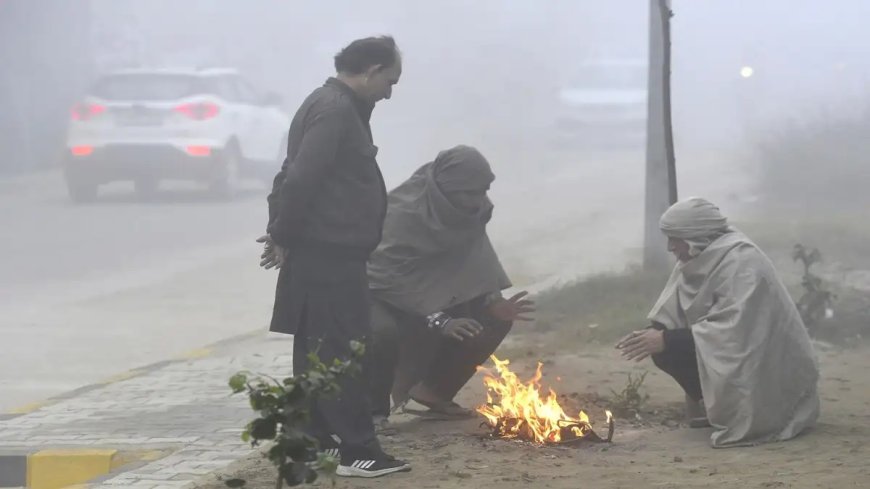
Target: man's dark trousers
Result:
[[329, 296]]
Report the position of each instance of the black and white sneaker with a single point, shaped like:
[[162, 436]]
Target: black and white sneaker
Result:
[[332, 452], [327, 447], [374, 465], [330, 446]]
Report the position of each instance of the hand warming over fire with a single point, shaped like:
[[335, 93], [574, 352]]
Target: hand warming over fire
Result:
[[517, 308], [641, 344], [460, 329]]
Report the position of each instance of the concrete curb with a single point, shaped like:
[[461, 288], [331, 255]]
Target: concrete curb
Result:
[[46, 467], [49, 469], [67, 468]]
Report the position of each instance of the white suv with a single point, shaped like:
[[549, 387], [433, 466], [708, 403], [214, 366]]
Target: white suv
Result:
[[209, 126]]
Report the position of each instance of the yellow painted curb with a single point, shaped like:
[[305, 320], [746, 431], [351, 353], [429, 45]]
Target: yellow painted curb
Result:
[[55, 469], [122, 377], [28, 408], [198, 353]]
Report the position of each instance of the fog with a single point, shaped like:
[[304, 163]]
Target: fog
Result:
[[487, 73], [122, 282]]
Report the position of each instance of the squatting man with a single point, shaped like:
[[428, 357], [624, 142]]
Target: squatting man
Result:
[[726, 329]]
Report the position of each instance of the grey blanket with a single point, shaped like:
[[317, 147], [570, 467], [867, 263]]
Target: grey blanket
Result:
[[433, 254], [756, 363]]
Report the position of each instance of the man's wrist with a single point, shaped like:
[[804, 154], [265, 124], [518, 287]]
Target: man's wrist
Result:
[[663, 333], [281, 234], [492, 298]]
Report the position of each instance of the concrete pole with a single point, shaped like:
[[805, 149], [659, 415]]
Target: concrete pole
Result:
[[661, 180]]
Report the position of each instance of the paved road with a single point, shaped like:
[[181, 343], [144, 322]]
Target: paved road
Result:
[[50, 241], [88, 291]]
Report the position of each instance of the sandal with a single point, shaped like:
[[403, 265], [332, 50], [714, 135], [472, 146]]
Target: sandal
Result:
[[440, 410]]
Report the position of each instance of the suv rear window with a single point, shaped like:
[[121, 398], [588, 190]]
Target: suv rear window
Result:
[[147, 87]]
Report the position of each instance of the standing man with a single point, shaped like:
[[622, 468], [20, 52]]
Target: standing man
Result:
[[326, 214]]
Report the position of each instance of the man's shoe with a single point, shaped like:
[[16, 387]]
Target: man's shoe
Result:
[[328, 447], [371, 465]]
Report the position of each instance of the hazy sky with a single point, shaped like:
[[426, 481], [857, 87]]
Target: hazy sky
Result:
[[487, 69], [487, 72]]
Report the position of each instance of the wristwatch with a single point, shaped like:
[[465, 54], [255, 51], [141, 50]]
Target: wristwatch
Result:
[[437, 321]]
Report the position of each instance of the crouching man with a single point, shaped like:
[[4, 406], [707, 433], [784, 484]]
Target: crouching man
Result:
[[727, 331], [436, 284]]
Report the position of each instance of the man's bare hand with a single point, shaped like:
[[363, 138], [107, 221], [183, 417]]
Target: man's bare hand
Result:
[[517, 308], [641, 344], [273, 255], [461, 329]]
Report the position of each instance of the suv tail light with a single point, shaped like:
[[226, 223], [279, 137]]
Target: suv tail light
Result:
[[198, 111], [199, 150], [86, 112], [82, 150]]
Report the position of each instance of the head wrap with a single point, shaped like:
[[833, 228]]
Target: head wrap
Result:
[[434, 255], [696, 221]]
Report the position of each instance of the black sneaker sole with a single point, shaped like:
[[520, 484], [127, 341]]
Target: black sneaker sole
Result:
[[348, 471]]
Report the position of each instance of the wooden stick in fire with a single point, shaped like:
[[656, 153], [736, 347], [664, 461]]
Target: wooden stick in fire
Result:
[[610, 427]]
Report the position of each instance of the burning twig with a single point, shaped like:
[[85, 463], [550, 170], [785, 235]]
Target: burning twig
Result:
[[523, 412]]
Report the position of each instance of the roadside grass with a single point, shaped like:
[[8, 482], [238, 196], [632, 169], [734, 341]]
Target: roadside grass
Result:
[[599, 309]]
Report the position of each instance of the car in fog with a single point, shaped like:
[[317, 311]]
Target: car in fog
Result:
[[604, 103], [149, 125]]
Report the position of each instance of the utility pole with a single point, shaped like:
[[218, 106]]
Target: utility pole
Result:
[[661, 178]]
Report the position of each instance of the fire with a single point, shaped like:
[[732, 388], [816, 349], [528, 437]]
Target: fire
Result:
[[519, 410]]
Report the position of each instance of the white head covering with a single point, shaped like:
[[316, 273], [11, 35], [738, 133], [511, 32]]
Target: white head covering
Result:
[[695, 220]]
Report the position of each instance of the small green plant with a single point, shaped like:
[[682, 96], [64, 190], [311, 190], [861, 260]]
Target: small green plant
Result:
[[631, 400], [816, 300], [284, 409]]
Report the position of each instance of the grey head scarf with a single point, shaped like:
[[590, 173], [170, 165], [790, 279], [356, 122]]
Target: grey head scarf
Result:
[[435, 254], [695, 220]]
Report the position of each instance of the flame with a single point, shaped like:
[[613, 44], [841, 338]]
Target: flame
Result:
[[522, 411]]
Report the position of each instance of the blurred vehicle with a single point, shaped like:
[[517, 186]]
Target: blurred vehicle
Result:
[[604, 104], [208, 126]]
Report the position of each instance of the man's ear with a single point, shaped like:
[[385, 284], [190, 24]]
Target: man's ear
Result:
[[374, 69]]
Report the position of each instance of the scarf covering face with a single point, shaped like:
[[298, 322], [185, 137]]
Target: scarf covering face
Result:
[[696, 221], [434, 255], [756, 363]]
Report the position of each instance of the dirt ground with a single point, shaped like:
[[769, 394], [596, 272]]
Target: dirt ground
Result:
[[657, 450]]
